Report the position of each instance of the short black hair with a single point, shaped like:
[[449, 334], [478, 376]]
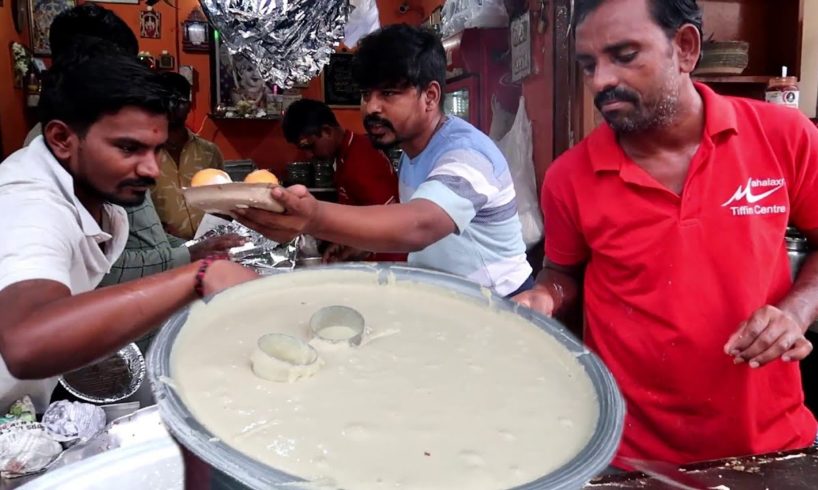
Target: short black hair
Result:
[[90, 20], [84, 86], [83, 47], [670, 15], [399, 56], [176, 83], [305, 117]]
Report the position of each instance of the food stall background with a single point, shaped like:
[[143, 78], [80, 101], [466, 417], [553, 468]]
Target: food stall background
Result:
[[259, 140]]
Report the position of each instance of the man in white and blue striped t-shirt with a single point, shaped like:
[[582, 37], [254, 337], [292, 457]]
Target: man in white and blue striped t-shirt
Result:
[[462, 171], [457, 210]]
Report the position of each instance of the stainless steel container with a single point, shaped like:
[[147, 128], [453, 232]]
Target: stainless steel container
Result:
[[309, 262], [211, 464], [797, 250], [324, 174], [299, 173]]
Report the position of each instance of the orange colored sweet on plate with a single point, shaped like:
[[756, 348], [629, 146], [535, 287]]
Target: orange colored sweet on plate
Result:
[[210, 176], [261, 177]]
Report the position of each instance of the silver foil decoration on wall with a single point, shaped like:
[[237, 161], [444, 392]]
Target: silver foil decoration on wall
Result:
[[289, 40]]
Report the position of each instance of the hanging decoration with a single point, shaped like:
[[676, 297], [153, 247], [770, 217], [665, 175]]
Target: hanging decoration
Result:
[[21, 63], [290, 41]]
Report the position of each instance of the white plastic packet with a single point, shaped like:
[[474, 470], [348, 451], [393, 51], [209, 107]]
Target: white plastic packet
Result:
[[518, 149], [465, 14], [501, 120], [363, 20], [71, 421], [21, 410], [25, 448]]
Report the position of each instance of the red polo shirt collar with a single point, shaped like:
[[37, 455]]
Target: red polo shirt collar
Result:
[[719, 117]]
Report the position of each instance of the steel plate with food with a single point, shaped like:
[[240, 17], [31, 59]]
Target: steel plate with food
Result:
[[448, 386], [213, 191]]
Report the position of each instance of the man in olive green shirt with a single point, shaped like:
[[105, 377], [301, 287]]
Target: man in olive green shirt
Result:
[[149, 250], [184, 154]]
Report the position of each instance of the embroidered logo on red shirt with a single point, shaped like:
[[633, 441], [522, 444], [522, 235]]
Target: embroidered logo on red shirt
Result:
[[747, 194]]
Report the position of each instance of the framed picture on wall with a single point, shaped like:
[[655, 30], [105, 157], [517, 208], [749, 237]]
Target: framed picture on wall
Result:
[[150, 24], [340, 90], [42, 14], [237, 89], [196, 33]]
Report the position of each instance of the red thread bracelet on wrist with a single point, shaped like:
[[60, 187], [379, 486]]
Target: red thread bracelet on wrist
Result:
[[200, 274]]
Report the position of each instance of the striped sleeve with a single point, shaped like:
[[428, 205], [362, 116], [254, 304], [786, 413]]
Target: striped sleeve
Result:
[[466, 186]]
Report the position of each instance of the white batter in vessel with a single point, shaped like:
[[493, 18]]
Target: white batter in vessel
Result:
[[444, 393]]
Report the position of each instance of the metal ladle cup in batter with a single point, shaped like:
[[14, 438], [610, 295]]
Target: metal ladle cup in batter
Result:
[[283, 358], [338, 324]]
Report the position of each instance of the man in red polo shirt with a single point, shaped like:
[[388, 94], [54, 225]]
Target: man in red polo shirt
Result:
[[363, 175], [676, 210]]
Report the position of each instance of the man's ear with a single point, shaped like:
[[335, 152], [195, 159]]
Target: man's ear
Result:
[[60, 138], [433, 94], [688, 44]]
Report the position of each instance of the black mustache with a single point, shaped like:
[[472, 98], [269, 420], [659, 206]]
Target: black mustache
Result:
[[372, 120], [615, 94], [143, 182]]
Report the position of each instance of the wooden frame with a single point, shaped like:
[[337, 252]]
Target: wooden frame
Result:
[[197, 35], [236, 92], [41, 14], [339, 90], [150, 24]]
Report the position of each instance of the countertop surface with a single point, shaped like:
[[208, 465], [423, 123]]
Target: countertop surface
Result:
[[779, 471]]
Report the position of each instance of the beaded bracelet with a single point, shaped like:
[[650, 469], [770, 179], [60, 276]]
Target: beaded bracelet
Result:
[[200, 275]]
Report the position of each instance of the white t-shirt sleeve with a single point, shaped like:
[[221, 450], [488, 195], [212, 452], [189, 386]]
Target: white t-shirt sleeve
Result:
[[36, 241], [461, 183]]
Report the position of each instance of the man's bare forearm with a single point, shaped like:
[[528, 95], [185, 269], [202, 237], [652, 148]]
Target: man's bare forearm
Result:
[[562, 284], [802, 300], [397, 228], [71, 331]]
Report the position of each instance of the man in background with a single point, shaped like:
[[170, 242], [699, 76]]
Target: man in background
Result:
[[363, 175], [458, 208], [149, 250], [183, 155]]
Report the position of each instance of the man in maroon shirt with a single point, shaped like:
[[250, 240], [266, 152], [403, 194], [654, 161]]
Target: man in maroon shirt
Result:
[[363, 175]]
